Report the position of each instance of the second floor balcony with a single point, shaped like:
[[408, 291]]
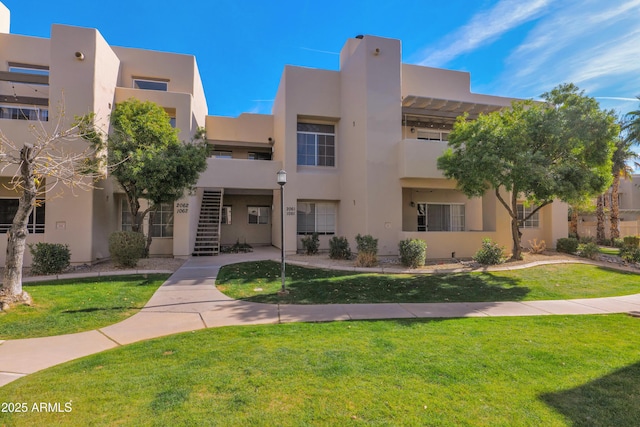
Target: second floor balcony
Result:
[[418, 158], [240, 173]]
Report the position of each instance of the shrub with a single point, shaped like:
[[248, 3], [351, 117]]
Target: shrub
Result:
[[49, 258], [632, 241], [490, 253], [588, 250], [537, 247], [605, 242], [630, 254], [568, 245], [126, 247], [366, 259], [617, 242], [367, 251], [339, 248], [236, 248], [311, 244], [587, 239], [413, 252], [367, 244]]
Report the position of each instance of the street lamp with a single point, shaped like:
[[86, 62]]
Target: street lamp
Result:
[[282, 180]]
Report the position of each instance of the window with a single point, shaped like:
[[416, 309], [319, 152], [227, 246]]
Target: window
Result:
[[259, 155], [24, 113], [162, 225], [125, 217], [258, 214], [440, 217], [226, 215], [315, 217], [8, 209], [220, 154], [533, 221], [316, 145], [148, 84], [433, 135]]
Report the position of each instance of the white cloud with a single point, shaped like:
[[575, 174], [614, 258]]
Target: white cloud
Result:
[[483, 28], [591, 43]]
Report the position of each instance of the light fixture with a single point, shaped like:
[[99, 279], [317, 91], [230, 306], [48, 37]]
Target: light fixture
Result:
[[79, 56], [281, 179]]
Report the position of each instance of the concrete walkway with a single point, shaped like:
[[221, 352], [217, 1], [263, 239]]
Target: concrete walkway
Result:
[[189, 300]]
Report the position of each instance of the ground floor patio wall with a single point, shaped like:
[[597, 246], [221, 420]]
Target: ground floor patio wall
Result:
[[240, 230]]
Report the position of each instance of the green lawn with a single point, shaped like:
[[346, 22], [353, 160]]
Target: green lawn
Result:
[[260, 282], [528, 371], [76, 305], [609, 251]]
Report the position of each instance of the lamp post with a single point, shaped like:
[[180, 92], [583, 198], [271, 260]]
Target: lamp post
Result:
[[282, 180]]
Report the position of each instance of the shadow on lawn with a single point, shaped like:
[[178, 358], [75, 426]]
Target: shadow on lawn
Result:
[[374, 288], [94, 309], [612, 400]]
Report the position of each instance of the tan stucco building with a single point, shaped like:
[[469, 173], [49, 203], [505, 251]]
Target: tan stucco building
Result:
[[359, 146]]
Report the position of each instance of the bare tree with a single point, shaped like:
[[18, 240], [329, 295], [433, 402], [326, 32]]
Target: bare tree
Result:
[[43, 169]]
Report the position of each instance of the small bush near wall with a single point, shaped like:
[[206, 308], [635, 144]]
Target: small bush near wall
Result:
[[568, 245], [617, 242], [632, 241], [339, 248], [630, 254], [490, 253], [588, 250], [367, 251], [413, 252], [126, 247], [49, 258], [311, 244]]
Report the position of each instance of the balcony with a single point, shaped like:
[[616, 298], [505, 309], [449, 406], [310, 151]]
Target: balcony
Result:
[[240, 173], [418, 158]]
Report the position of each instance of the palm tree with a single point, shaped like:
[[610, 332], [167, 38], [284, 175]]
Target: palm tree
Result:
[[631, 127], [621, 169], [630, 137]]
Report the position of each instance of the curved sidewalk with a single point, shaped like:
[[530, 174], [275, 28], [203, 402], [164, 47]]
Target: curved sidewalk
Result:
[[189, 301]]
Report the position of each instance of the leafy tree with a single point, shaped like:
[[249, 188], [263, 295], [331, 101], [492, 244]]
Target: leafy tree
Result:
[[43, 168], [537, 152], [151, 162]]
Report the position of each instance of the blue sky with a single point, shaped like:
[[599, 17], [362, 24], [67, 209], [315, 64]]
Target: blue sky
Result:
[[518, 48]]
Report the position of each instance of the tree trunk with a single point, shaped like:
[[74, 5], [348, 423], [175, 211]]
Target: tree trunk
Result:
[[600, 234], [152, 214], [615, 208], [17, 235], [515, 228], [573, 224]]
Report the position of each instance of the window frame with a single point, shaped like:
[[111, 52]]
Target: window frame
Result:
[[259, 215], [256, 155], [532, 222], [225, 215], [36, 222], [18, 113], [316, 145], [454, 225], [323, 228], [164, 219], [135, 80], [221, 154]]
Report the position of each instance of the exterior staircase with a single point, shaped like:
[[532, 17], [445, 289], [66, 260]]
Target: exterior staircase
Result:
[[208, 234]]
